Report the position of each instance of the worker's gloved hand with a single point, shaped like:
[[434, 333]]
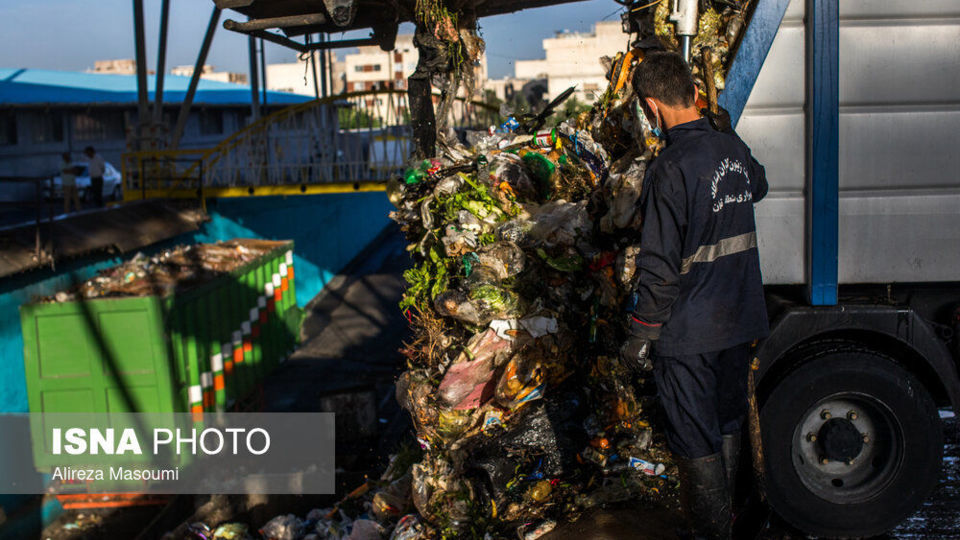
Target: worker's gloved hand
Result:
[[720, 120], [635, 354]]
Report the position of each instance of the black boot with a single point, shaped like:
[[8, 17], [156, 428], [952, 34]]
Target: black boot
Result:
[[704, 496], [731, 459]]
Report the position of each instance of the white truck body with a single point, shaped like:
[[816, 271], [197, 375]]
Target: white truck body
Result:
[[899, 143]]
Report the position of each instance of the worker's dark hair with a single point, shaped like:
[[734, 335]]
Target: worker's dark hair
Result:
[[664, 76]]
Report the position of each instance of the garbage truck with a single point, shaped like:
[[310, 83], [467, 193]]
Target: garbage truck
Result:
[[853, 108]]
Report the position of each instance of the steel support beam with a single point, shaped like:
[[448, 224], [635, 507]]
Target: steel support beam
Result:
[[263, 74], [161, 61], [302, 47], [254, 79], [195, 78], [822, 149], [327, 45], [232, 4], [750, 55], [324, 87], [141, 60], [313, 68], [275, 22]]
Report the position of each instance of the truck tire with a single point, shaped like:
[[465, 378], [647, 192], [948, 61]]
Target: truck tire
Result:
[[853, 443]]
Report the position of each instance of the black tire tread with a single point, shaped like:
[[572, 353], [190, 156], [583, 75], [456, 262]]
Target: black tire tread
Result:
[[814, 352]]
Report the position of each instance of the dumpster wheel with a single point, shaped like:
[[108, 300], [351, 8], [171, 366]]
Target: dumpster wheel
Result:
[[853, 443]]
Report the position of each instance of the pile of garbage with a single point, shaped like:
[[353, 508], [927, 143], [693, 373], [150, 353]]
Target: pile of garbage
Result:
[[524, 241], [172, 270], [524, 263]]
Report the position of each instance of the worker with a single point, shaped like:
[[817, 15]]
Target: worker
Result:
[[97, 167], [68, 180], [698, 303]]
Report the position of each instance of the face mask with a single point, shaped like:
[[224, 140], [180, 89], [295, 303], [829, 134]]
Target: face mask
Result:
[[657, 132]]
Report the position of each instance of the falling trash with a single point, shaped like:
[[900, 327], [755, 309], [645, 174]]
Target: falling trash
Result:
[[524, 248]]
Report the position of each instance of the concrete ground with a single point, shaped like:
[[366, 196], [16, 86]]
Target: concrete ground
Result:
[[351, 336]]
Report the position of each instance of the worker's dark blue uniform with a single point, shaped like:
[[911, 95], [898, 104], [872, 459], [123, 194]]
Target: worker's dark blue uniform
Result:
[[699, 290]]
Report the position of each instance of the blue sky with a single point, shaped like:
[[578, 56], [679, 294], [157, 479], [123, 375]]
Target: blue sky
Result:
[[71, 34]]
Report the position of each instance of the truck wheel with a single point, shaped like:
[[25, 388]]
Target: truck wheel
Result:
[[853, 443]]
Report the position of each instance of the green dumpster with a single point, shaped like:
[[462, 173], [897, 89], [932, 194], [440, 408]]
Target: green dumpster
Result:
[[192, 346]]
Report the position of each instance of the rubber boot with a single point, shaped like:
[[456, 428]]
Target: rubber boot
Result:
[[704, 497], [731, 459]]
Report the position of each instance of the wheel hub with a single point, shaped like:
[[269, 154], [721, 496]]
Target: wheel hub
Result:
[[845, 448], [840, 440]]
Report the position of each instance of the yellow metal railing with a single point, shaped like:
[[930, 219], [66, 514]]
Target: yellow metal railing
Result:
[[345, 143]]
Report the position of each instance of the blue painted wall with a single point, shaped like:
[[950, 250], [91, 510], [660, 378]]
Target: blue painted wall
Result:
[[328, 230]]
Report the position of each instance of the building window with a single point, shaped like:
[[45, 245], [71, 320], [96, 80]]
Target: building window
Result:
[[358, 68], [45, 127], [211, 122], [98, 126], [8, 128], [376, 67]]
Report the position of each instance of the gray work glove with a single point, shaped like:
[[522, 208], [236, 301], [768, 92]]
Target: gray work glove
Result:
[[635, 354]]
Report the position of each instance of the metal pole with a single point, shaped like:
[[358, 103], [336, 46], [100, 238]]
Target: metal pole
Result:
[[161, 61], [323, 67], [313, 68], [275, 22], [822, 153], [330, 70], [141, 59], [254, 79], [195, 78], [263, 73]]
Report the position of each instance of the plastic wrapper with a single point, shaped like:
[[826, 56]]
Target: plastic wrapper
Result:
[[287, 527], [560, 223], [507, 168], [624, 185], [468, 383], [505, 258], [365, 529], [393, 501]]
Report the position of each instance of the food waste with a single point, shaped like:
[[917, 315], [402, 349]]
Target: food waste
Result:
[[524, 266], [170, 271], [524, 239]]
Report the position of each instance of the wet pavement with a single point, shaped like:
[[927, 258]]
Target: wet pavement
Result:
[[939, 517]]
